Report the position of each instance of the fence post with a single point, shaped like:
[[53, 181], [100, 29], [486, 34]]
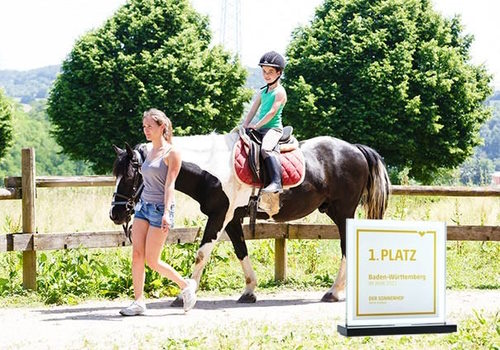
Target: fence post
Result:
[[280, 258], [29, 224]]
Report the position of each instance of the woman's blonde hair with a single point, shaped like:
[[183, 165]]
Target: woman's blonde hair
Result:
[[161, 119]]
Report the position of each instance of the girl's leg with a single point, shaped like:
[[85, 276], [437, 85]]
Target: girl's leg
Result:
[[271, 160], [269, 142], [139, 233], [154, 244]]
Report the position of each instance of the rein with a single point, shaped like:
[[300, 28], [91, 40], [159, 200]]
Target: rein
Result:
[[131, 201]]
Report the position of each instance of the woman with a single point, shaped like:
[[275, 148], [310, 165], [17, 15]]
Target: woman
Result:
[[154, 213]]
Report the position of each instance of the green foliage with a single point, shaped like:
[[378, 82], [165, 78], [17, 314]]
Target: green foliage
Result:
[[32, 130], [11, 279], [72, 275], [476, 171], [481, 331], [490, 131], [153, 53], [28, 86], [391, 74], [465, 258], [478, 332], [6, 111]]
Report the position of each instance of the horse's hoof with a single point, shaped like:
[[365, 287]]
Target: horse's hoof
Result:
[[329, 298], [247, 299], [177, 302]]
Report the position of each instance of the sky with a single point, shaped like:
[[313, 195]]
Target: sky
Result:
[[37, 33]]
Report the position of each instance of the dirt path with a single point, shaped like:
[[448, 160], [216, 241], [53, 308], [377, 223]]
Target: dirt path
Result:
[[98, 324]]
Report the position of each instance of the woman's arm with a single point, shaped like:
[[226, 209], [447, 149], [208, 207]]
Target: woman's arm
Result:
[[174, 162], [252, 111]]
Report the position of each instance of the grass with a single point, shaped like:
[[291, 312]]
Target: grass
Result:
[[480, 331], [81, 209], [69, 276]]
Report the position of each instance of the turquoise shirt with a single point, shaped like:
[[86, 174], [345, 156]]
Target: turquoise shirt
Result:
[[266, 103]]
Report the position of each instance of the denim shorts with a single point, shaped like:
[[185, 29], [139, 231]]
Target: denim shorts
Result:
[[153, 212]]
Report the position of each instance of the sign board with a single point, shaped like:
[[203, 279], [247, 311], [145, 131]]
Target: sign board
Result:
[[396, 274]]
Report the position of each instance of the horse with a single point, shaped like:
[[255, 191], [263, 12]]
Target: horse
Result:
[[338, 176]]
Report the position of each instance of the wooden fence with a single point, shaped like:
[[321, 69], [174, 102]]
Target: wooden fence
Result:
[[29, 241]]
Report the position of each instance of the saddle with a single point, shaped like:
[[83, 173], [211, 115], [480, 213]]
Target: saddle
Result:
[[248, 163]]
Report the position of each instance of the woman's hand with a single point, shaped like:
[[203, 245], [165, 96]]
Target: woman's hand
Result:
[[165, 221]]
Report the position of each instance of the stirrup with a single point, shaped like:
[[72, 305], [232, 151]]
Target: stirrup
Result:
[[273, 188]]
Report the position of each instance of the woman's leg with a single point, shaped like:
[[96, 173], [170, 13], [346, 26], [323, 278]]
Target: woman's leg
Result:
[[139, 233], [154, 244]]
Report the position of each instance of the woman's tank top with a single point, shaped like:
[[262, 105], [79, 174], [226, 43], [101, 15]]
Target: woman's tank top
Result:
[[154, 174]]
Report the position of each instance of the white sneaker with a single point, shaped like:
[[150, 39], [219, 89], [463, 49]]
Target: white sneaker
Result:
[[189, 295], [134, 309]]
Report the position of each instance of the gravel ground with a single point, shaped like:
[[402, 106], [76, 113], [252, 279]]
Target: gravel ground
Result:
[[97, 324]]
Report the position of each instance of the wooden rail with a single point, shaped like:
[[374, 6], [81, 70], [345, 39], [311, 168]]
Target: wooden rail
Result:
[[112, 239], [460, 191], [13, 184], [29, 242]]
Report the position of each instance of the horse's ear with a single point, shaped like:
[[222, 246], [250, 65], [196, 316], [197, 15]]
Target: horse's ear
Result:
[[129, 149], [117, 149]]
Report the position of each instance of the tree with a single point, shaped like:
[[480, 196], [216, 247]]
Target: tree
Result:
[[152, 53], [32, 130], [490, 132], [6, 111], [391, 74], [476, 171]]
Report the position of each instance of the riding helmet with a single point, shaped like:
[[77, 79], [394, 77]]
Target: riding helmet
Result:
[[272, 59]]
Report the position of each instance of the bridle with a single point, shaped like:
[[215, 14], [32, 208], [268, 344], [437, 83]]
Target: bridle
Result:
[[131, 201]]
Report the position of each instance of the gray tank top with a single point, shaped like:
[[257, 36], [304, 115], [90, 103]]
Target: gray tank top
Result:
[[154, 174]]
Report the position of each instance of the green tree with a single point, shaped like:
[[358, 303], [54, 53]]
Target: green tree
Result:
[[392, 74], [490, 131], [31, 129], [6, 111], [151, 53], [476, 171]]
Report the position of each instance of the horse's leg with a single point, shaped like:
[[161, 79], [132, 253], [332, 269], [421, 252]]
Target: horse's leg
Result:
[[213, 228], [337, 291], [235, 233]]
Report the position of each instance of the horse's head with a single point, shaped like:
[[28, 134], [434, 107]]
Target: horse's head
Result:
[[126, 169]]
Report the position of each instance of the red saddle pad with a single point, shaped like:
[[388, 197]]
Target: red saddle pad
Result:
[[292, 166]]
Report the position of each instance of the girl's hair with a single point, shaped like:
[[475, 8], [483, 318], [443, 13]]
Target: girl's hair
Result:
[[161, 119]]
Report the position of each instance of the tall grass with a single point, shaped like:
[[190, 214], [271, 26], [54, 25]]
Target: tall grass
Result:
[[67, 276], [81, 209]]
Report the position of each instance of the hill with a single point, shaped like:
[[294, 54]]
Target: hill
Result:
[[30, 85]]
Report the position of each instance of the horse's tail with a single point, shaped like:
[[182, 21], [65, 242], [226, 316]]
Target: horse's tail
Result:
[[376, 194]]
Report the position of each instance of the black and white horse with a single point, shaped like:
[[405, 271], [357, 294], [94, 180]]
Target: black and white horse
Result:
[[338, 175]]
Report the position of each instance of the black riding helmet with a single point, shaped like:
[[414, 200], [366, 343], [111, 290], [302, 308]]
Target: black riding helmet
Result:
[[272, 59]]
